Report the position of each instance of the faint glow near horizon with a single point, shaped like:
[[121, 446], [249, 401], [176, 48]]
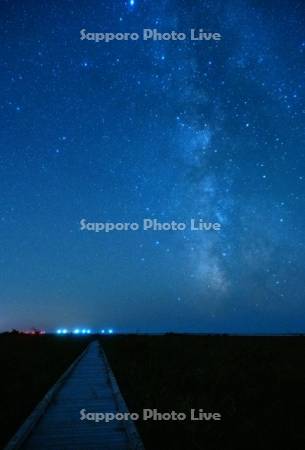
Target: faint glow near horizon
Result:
[[83, 331]]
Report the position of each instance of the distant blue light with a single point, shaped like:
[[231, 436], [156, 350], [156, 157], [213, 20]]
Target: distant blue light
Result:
[[103, 331], [110, 331], [75, 331], [131, 2]]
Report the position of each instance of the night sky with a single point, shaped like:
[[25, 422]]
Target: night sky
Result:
[[172, 130]]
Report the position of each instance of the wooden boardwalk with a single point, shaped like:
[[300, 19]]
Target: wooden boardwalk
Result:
[[88, 384]]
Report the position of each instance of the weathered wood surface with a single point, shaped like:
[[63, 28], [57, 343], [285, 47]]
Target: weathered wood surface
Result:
[[90, 385]]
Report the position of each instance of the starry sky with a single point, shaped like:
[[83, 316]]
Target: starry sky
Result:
[[170, 130]]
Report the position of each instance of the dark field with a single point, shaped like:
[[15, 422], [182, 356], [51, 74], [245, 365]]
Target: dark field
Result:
[[256, 383], [30, 365]]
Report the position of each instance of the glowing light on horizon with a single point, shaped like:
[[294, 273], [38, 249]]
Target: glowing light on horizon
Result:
[[82, 331]]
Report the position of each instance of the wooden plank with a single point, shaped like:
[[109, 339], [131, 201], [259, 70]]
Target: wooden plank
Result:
[[55, 424], [17, 440], [131, 430]]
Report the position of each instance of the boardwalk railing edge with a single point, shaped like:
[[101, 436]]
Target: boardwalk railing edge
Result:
[[24, 431], [134, 438]]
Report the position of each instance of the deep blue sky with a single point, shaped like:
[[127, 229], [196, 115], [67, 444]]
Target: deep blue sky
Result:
[[170, 130]]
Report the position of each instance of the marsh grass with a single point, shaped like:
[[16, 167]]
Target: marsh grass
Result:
[[30, 365], [256, 383]]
